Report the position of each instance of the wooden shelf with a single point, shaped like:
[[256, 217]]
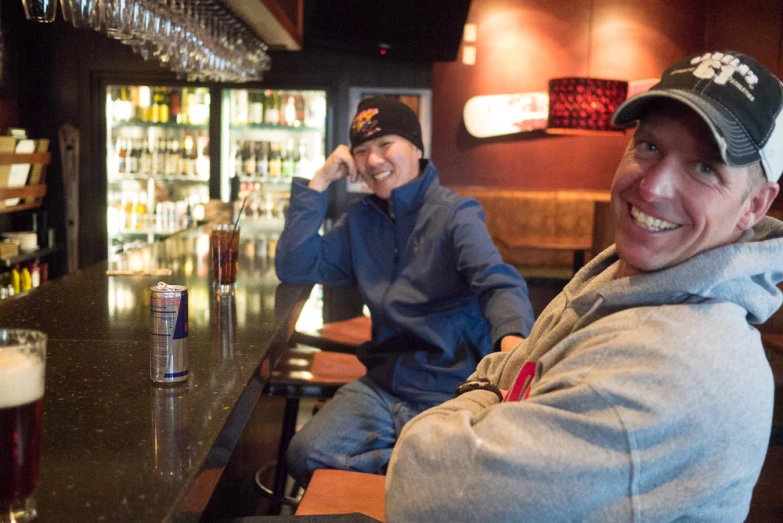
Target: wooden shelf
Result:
[[38, 158], [270, 127], [27, 191], [27, 256], [165, 125]]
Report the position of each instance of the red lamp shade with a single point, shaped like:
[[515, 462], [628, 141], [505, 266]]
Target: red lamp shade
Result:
[[583, 105]]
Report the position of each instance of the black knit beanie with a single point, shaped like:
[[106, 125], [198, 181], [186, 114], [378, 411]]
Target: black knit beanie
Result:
[[380, 116]]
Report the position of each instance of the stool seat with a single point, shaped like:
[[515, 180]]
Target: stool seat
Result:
[[302, 372], [312, 373], [338, 336], [343, 492]]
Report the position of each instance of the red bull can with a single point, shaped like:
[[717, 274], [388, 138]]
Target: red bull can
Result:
[[168, 333]]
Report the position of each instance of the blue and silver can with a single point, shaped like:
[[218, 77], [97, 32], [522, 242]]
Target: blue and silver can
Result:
[[168, 333]]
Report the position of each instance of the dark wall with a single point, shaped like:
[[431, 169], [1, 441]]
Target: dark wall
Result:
[[60, 82]]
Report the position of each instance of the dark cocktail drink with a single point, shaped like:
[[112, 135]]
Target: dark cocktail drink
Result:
[[22, 357], [224, 241]]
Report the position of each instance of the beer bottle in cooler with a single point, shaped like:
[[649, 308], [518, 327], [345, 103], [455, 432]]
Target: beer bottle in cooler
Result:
[[145, 103], [122, 156], [165, 103], [249, 158], [240, 106], [275, 162], [145, 160], [289, 117], [288, 163], [202, 163], [262, 160], [271, 107], [159, 158], [132, 158], [299, 101], [239, 162], [256, 109]]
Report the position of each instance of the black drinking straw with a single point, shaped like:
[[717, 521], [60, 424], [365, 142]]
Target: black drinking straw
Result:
[[236, 223]]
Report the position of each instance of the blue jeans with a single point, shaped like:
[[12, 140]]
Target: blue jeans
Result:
[[356, 430]]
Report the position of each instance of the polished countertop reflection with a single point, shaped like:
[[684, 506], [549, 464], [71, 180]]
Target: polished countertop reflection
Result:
[[117, 447]]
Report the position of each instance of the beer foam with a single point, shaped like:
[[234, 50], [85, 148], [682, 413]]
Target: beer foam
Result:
[[21, 378]]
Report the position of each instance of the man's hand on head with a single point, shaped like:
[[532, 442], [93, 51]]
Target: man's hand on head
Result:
[[338, 165]]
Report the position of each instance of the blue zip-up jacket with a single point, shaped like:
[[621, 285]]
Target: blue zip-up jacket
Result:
[[439, 294]]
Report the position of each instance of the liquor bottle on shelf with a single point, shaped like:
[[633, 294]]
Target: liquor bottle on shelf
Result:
[[289, 113], [275, 162], [299, 101], [164, 106], [189, 157], [145, 103], [256, 107], [193, 161], [122, 156], [304, 167], [158, 158], [155, 105], [240, 107], [271, 107], [202, 163], [132, 158], [170, 156], [175, 105], [134, 111], [145, 160], [249, 160], [262, 160], [239, 161], [199, 108], [288, 162]]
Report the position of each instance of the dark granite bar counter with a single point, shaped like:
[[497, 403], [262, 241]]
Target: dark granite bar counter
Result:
[[115, 446]]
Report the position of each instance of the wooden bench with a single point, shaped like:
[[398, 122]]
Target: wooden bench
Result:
[[542, 233]]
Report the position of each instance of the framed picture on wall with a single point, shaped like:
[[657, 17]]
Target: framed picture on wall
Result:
[[420, 100]]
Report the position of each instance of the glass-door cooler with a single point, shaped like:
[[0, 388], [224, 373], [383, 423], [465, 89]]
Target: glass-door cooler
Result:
[[157, 161], [268, 137]]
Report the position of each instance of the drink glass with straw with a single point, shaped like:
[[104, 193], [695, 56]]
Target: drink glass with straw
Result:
[[224, 240]]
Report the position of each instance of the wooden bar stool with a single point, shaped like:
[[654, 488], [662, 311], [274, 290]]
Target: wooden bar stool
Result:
[[343, 492], [309, 372], [337, 336]]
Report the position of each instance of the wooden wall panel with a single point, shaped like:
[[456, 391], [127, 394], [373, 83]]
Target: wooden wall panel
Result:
[[521, 45]]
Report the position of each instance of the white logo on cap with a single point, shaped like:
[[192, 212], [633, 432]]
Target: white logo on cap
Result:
[[720, 67]]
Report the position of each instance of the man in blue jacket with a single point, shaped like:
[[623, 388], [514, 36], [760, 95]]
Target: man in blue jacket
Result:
[[438, 291]]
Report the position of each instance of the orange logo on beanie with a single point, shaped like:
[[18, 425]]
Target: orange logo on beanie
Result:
[[364, 124]]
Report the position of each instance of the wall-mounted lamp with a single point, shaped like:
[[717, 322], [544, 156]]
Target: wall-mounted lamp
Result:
[[469, 35], [584, 105]]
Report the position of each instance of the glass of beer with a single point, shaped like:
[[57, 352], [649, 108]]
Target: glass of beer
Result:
[[224, 240], [22, 364]]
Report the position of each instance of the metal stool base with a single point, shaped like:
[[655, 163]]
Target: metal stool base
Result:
[[280, 499]]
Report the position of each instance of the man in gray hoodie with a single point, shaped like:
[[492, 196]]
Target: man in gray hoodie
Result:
[[643, 392]]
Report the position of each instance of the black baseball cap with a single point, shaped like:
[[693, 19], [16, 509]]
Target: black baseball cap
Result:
[[738, 98], [380, 116]]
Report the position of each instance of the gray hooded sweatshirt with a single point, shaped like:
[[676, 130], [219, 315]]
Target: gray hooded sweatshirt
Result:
[[645, 398]]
